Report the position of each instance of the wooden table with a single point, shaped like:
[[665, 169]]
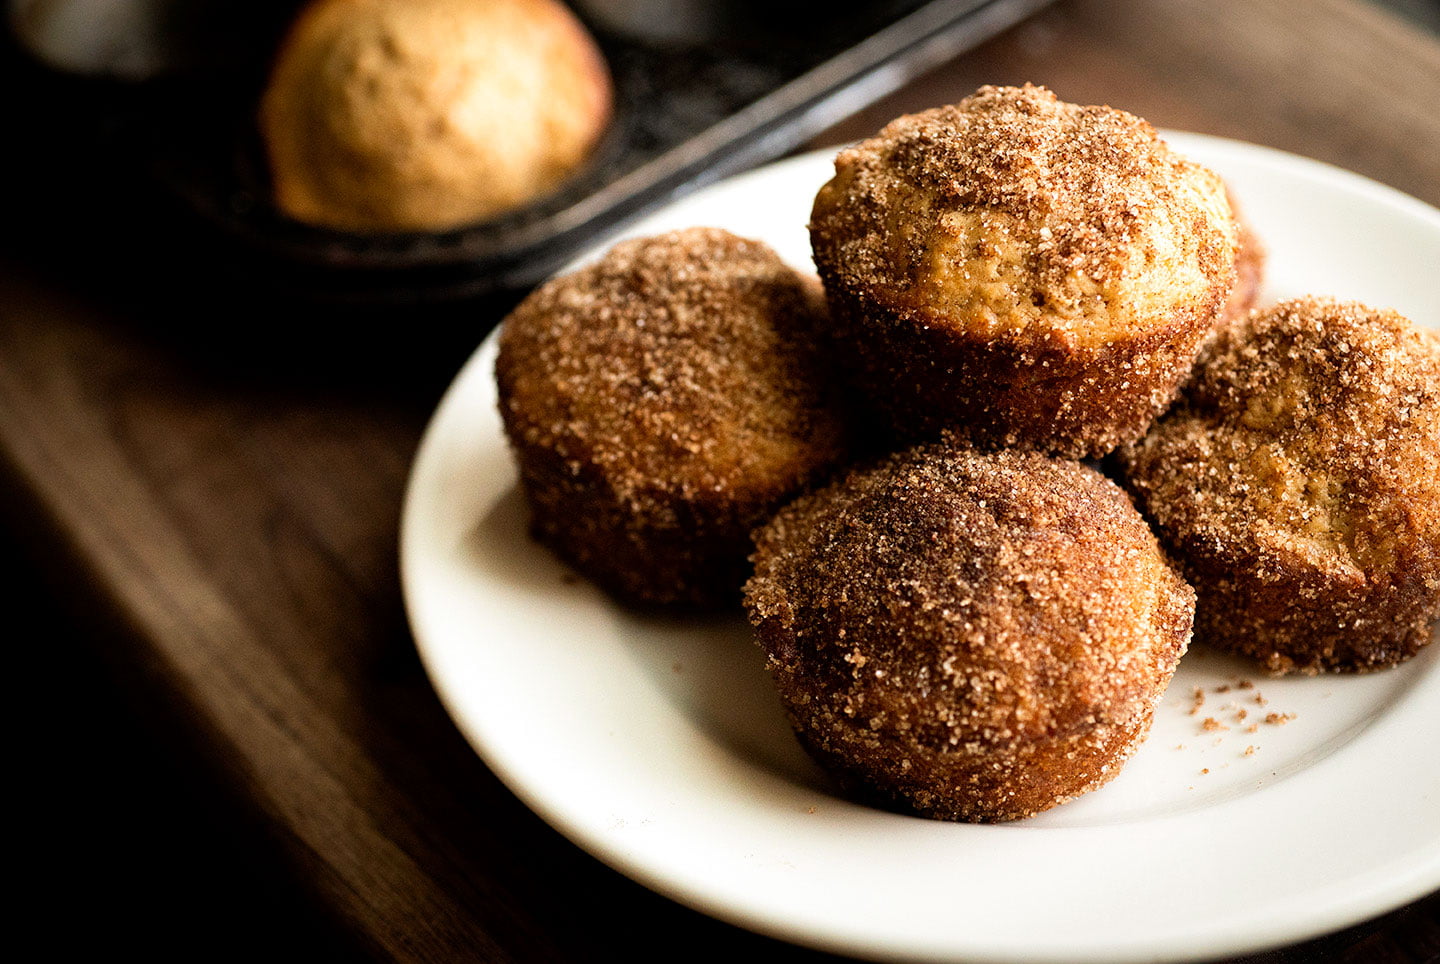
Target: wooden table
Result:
[[231, 748]]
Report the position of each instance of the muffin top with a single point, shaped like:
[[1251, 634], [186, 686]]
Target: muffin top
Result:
[[423, 115], [680, 366], [1310, 441], [957, 598], [1015, 214]]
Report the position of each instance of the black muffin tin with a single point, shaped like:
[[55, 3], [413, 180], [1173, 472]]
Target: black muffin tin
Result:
[[759, 81]]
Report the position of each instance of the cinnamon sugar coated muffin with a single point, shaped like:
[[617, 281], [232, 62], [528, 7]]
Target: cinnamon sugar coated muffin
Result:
[[968, 636], [1249, 272], [425, 115], [661, 403], [1021, 270], [1298, 482]]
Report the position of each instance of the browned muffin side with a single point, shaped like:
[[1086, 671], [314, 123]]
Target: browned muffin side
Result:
[[1298, 483], [661, 403], [1249, 271], [968, 636]]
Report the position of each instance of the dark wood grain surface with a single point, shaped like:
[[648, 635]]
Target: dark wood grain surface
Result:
[[230, 748]]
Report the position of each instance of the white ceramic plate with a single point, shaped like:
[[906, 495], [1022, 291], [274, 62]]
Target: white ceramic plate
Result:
[[657, 745]]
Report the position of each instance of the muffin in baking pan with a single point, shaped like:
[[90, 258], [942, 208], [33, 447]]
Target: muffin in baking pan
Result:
[[427, 115]]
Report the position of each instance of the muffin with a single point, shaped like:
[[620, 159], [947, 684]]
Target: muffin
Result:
[[427, 115], [1298, 483], [661, 403], [968, 636], [1249, 271], [1022, 271]]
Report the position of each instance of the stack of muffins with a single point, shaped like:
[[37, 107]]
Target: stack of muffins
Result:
[[962, 619]]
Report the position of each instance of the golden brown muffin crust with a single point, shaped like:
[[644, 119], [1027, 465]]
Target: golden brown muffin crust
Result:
[[425, 115], [971, 636], [1015, 211], [670, 393], [1299, 482]]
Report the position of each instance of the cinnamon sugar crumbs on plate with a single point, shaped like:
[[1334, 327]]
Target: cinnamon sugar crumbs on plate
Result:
[[1279, 719], [1211, 724]]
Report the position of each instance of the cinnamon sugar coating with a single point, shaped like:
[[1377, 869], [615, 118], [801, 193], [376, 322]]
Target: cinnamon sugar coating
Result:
[[968, 636], [1298, 482], [1249, 271], [661, 403], [1026, 271]]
